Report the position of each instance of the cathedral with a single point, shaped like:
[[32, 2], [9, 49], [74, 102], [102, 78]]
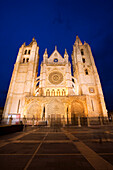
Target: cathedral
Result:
[[56, 93]]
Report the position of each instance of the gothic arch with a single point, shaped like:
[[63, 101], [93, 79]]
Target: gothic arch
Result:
[[77, 109], [34, 108], [55, 107]]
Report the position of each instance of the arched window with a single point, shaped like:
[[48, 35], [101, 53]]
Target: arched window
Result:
[[82, 52], [23, 60], [47, 92], [43, 116], [18, 106], [37, 85], [92, 105], [73, 80], [86, 71], [53, 92], [83, 60], [25, 52], [58, 92], [63, 92], [27, 60], [29, 51]]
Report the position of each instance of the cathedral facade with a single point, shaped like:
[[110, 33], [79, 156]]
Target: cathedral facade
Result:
[[56, 93]]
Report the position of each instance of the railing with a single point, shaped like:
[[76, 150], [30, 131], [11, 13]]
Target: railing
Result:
[[74, 121]]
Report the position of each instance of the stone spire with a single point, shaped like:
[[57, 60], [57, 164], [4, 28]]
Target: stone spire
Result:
[[45, 56], [33, 41], [45, 51], [65, 51], [78, 41], [66, 56], [24, 44]]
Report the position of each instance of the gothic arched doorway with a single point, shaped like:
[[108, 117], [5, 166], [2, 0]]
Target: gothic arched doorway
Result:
[[34, 109], [56, 112], [77, 109]]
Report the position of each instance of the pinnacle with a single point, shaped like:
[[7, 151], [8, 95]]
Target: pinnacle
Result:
[[46, 51], [65, 51], [78, 41], [33, 39]]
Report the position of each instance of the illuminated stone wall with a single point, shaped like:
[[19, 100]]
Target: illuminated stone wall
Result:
[[23, 78], [55, 105], [55, 93], [87, 77]]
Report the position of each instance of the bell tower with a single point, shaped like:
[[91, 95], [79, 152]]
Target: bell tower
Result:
[[85, 72], [23, 78]]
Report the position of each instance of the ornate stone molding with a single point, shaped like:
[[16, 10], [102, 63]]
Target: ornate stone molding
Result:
[[55, 77]]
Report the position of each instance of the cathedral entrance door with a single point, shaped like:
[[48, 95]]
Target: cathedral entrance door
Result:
[[55, 109], [52, 119], [58, 119], [55, 120]]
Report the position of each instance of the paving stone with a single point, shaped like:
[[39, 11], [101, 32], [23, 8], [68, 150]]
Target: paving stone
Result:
[[66, 162], [101, 147], [108, 158], [49, 129], [84, 136], [8, 136], [19, 148], [13, 162], [57, 155], [48, 148], [55, 136], [33, 136]]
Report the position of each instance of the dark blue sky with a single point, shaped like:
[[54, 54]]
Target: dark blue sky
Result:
[[57, 22]]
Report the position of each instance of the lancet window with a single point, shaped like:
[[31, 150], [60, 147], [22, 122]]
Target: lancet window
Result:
[[23, 60], [86, 71], [63, 92], [47, 92], [82, 52], [29, 51], [83, 60], [53, 92], [25, 52], [27, 60], [58, 92]]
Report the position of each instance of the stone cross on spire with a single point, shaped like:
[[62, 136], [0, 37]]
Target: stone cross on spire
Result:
[[55, 47], [33, 39]]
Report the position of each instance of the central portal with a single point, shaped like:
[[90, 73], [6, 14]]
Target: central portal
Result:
[[56, 112], [56, 120]]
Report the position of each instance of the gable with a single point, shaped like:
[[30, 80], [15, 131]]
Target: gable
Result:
[[56, 58]]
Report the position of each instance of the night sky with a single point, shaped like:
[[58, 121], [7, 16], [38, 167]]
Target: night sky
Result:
[[57, 22]]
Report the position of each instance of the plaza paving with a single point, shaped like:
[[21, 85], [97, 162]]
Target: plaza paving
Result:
[[56, 148]]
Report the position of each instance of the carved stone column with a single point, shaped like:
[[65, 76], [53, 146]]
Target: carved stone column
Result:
[[79, 124]]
